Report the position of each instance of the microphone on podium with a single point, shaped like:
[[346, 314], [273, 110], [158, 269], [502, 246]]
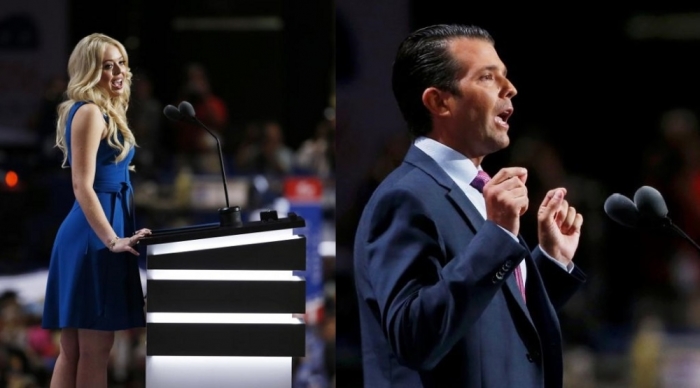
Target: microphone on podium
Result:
[[647, 211], [228, 216]]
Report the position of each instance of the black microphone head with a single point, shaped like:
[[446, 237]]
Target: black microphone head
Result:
[[650, 202], [186, 109], [622, 210], [172, 113]]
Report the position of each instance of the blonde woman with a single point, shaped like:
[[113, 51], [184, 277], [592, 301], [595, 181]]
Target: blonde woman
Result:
[[94, 286]]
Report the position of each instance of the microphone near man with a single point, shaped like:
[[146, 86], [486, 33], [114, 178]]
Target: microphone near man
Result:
[[648, 211], [228, 216]]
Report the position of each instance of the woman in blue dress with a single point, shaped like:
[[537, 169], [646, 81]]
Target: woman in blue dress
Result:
[[94, 286]]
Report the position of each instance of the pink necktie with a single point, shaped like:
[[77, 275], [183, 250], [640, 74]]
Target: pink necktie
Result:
[[478, 183], [521, 283], [480, 180]]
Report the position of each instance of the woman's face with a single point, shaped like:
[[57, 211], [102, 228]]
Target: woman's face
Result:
[[113, 71]]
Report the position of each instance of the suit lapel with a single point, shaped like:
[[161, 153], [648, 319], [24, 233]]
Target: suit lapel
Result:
[[466, 207], [455, 195]]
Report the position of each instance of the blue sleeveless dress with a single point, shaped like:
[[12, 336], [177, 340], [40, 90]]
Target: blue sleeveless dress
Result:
[[88, 286]]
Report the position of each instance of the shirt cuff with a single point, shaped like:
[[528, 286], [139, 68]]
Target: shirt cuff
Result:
[[509, 233], [567, 268]]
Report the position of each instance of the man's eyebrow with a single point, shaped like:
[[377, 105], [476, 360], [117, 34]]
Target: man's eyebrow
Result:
[[494, 68]]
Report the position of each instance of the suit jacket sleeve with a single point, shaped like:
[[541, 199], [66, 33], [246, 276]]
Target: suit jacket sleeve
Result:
[[560, 285], [427, 301]]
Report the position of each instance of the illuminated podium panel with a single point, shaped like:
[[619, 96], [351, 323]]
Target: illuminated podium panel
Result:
[[221, 305]]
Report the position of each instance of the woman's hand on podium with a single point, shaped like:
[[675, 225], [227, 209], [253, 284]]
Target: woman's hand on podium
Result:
[[127, 244]]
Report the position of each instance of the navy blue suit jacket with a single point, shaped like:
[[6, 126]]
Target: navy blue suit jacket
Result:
[[438, 305]]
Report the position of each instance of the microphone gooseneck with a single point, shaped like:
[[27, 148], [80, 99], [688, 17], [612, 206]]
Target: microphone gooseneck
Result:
[[228, 216], [187, 111], [683, 234]]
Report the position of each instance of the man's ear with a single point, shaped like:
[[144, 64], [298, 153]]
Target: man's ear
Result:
[[435, 100]]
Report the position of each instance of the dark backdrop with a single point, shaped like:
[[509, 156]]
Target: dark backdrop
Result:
[[598, 92], [282, 74]]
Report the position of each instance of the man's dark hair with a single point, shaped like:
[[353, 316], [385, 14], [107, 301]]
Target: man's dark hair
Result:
[[424, 61]]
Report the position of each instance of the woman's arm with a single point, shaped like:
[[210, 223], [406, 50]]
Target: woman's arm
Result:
[[88, 128]]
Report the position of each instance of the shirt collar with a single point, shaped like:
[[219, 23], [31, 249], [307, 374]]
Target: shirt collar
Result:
[[456, 165]]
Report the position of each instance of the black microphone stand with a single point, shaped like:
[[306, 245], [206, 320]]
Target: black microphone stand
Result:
[[228, 216], [668, 224]]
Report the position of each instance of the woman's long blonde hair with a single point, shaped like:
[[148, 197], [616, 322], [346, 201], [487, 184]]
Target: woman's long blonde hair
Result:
[[85, 71]]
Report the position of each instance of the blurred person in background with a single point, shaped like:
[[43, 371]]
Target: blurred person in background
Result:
[[263, 150], [194, 144], [25, 354], [276, 157], [247, 147], [449, 293], [44, 121], [671, 266], [94, 285], [145, 117], [316, 154]]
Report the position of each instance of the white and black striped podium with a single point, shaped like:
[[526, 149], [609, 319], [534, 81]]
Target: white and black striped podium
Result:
[[221, 305]]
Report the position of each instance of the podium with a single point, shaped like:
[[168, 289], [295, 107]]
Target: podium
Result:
[[221, 305]]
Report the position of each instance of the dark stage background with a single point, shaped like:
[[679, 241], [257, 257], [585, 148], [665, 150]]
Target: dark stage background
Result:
[[281, 69]]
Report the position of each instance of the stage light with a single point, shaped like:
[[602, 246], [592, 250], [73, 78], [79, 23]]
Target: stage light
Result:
[[11, 179]]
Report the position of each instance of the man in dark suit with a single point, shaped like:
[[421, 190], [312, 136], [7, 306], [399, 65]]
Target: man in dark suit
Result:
[[449, 293]]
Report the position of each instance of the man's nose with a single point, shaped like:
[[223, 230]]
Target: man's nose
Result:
[[510, 90]]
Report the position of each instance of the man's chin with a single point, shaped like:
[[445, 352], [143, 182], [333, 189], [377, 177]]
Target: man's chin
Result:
[[500, 143]]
